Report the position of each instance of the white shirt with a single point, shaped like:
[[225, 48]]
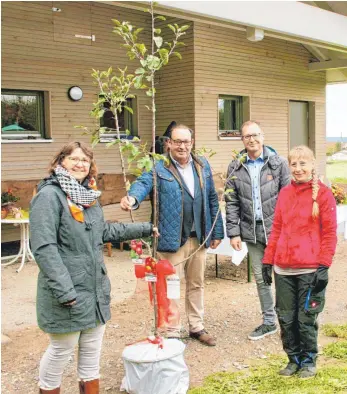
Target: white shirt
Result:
[[187, 174]]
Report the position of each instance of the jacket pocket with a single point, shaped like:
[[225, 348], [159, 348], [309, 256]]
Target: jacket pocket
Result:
[[78, 277], [314, 303], [165, 177], [105, 283], [60, 313], [167, 183], [103, 268]]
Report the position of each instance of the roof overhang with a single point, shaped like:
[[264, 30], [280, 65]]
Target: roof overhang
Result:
[[322, 32], [282, 19]]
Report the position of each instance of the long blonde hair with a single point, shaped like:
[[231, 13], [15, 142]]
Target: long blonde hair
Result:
[[303, 151]]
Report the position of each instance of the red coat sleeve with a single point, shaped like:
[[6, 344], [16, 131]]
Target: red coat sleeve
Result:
[[270, 250], [328, 227]]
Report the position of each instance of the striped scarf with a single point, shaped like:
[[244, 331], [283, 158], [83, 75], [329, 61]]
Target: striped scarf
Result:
[[79, 197]]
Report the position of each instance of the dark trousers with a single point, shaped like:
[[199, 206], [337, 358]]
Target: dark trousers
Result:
[[298, 317]]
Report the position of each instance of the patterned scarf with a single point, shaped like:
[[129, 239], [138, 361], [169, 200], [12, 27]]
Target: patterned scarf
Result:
[[79, 197]]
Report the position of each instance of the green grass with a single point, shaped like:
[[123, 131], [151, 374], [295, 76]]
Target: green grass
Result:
[[333, 330], [337, 350], [264, 379], [336, 171]]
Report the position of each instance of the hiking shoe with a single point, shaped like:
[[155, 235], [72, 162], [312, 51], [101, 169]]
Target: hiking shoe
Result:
[[289, 370], [262, 331], [204, 337], [307, 372]]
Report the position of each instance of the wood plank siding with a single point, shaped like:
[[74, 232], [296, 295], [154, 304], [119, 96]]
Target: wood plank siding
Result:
[[40, 52], [271, 72], [175, 92]]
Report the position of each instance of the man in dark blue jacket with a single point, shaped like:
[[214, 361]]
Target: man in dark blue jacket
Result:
[[187, 208]]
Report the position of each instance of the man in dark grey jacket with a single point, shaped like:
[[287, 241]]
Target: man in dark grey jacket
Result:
[[256, 178]]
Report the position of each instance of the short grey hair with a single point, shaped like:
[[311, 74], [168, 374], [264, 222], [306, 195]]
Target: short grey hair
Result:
[[249, 123]]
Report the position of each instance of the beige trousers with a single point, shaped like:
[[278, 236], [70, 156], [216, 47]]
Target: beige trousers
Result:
[[62, 347], [193, 270]]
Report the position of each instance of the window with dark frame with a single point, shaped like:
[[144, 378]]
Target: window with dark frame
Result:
[[230, 115], [126, 121], [22, 115]]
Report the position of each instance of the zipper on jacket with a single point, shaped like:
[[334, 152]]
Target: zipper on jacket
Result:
[[255, 237], [204, 199], [261, 203], [94, 261]]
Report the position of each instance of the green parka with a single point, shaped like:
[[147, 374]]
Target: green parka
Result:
[[70, 257]]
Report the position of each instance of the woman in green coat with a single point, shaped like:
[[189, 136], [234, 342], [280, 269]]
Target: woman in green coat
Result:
[[67, 234]]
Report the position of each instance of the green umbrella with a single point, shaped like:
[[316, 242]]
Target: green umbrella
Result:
[[12, 127]]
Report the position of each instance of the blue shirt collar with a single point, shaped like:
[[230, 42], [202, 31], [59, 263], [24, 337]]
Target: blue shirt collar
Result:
[[260, 158]]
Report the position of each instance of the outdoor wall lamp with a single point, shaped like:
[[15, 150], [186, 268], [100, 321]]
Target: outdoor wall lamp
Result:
[[75, 93], [254, 34]]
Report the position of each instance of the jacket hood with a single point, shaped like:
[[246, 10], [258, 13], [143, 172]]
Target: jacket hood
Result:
[[51, 180], [267, 150]]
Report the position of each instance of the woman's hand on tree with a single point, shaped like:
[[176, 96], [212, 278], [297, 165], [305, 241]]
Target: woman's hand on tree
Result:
[[127, 202], [155, 232]]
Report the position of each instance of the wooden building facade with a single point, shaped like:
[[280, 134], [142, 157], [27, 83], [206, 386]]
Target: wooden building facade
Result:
[[51, 46]]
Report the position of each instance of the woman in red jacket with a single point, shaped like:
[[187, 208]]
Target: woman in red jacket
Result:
[[301, 248]]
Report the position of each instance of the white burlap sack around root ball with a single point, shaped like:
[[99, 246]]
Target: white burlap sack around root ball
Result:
[[151, 370]]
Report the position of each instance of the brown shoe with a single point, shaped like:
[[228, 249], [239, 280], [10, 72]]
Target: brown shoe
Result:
[[204, 337], [54, 391], [89, 387]]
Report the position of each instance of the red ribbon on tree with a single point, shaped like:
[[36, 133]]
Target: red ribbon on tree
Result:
[[160, 269]]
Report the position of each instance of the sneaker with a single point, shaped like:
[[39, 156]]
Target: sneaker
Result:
[[307, 372], [262, 331], [204, 337], [289, 370]]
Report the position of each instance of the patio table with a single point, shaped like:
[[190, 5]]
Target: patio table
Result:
[[24, 250]]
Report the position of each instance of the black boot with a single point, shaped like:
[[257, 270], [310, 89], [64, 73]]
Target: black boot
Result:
[[292, 367], [308, 366]]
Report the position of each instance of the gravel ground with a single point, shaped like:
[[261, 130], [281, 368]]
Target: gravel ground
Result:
[[231, 312]]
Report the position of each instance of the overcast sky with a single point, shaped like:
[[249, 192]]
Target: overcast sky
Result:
[[337, 110]]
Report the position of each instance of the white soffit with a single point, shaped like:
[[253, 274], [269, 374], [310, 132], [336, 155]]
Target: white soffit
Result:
[[284, 17]]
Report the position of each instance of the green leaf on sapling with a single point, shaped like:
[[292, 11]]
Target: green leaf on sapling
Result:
[[158, 41]]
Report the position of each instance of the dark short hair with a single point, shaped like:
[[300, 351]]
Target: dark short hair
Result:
[[67, 149], [169, 129], [182, 126], [248, 123]]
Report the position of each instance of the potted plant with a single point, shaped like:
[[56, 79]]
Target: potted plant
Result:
[[341, 202], [7, 201], [339, 194]]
